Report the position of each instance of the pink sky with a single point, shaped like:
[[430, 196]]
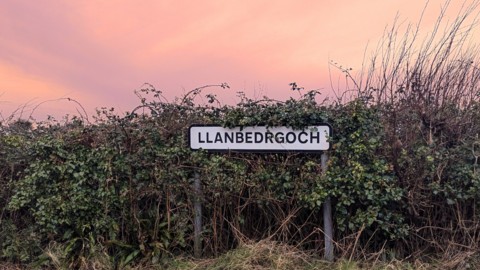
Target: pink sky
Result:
[[98, 52]]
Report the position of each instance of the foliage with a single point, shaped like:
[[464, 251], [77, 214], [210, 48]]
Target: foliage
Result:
[[124, 184], [359, 175]]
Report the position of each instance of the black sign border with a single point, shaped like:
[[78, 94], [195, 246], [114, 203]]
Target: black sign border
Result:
[[259, 151]]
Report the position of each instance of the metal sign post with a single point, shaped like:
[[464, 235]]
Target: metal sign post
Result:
[[197, 222], [327, 216]]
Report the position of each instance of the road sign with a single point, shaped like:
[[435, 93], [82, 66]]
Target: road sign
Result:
[[260, 138]]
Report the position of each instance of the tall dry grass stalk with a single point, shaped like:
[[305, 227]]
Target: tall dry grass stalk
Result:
[[435, 70]]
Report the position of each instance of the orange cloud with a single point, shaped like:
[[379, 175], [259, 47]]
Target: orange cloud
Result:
[[20, 88]]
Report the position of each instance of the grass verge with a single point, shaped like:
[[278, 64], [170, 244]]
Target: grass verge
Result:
[[270, 255]]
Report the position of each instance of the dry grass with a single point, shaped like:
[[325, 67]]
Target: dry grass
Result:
[[269, 255], [261, 255], [10, 266], [274, 255]]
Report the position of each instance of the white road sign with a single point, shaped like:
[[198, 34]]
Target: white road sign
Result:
[[260, 138]]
